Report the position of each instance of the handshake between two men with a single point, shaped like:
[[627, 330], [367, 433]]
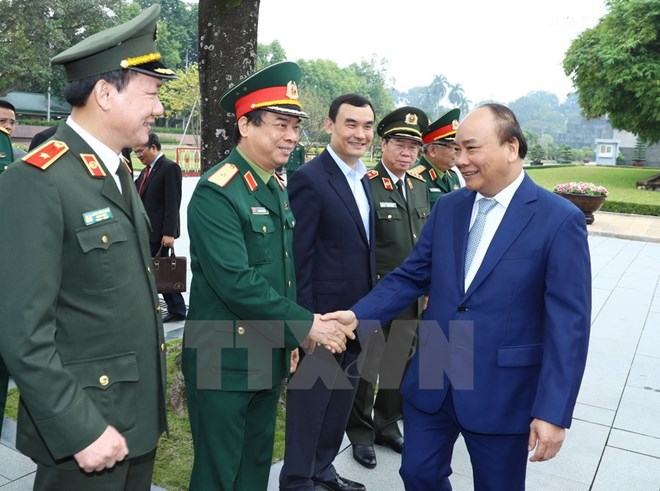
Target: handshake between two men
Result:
[[331, 330]]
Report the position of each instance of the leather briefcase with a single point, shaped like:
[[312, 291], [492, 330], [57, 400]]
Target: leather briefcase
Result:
[[170, 272]]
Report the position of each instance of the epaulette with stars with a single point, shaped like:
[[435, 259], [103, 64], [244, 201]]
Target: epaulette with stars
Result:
[[45, 155], [418, 169], [416, 176], [224, 174], [372, 173]]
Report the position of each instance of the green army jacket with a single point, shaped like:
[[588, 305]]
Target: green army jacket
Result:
[[82, 333], [437, 182], [243, 319]]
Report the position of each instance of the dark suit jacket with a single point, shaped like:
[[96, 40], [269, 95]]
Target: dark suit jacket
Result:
[[335, 264], [82, 331], [162, 198], [529, 307]]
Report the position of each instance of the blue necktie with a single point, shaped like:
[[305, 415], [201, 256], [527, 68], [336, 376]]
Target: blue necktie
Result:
[[485, 205]]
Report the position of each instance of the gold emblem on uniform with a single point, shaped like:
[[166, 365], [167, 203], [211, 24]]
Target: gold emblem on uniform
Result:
[[223, 175], [411, 118], [291, 90]]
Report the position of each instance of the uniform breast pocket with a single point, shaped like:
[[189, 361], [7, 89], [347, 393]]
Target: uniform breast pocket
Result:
[[112, 383], [104, 247], [422, 212], [258, 239], [388, 224]]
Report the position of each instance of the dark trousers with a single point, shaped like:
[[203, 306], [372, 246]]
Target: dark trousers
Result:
[[319, 398], [176, 305], [233, 435], [499, 462], [4, 381], [383, 362], [128, 475]]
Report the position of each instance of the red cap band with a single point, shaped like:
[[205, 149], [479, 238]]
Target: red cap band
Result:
[[270, 96]]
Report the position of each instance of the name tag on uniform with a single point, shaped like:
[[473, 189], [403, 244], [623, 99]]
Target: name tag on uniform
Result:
[[387, 204], [435, 190], [259, 210], [92, 217]]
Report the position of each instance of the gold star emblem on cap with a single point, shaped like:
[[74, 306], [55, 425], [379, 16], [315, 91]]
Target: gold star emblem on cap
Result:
[[292, 90], [411, 118], [454, 124]]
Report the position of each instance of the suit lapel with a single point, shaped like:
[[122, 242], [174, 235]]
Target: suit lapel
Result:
[[516, 218]]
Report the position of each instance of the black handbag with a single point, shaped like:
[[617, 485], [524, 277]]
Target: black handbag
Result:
[[170, 272]]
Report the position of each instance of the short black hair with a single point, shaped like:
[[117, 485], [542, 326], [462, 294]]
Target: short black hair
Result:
[[508, 126], [352, 99], [255, 117], [77, 92], [7, 105], [153, 140]]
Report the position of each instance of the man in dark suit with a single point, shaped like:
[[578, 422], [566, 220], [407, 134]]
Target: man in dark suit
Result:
[[82, 333], [335, 262], [401, 205], [159, 186], [503, 344]]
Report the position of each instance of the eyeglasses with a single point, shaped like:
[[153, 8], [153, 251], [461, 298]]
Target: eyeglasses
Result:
[[409, 147], [9, 122], [138, 153]]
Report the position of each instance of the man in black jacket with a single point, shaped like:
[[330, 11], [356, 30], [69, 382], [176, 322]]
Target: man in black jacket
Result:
[[159, 186]]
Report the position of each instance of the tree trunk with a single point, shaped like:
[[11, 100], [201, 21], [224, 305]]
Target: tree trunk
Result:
[[227, 54]]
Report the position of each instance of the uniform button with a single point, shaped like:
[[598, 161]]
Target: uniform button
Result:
[[148, 270], [104, 239], [389, 217], [104, 380], [158, 308], [293, 223], [162, 346], [463, 308], [378, 277], [240, 330], [264, 229], [414, 236], [286, 254], [289, 283]]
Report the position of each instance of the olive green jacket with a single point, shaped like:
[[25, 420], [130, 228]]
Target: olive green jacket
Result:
[[243, 320], [398, 222], [81, 331], [437, 182]]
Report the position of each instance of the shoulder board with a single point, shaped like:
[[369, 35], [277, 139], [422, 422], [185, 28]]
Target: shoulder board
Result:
[[372, 173], [4, 130], [93, 166], [415, 171], [128, 167], [43, 156], [416, 176], [224, 174]]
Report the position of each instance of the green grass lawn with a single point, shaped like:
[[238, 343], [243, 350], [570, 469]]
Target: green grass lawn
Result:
[[624, 197]]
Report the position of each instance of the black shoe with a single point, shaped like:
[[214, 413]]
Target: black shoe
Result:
[[339, 484], [365, 455], [394, 442], [173, 317]]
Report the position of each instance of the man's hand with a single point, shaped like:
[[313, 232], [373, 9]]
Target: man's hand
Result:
[[295, 358], [547, 438], [167, 241], [331, 333], [345, 317], [104, 452]]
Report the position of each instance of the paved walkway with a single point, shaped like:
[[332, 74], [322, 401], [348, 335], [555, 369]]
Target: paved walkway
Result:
[[614, 444]]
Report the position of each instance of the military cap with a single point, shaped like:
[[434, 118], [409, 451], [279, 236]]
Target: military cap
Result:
[[405, 122], [129, 46], [443, 128], [274, 89]]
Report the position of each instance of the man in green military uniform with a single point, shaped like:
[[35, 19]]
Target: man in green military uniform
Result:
[[296, 159], [82, 333], [402, 207], [436, 166], [243, 321]]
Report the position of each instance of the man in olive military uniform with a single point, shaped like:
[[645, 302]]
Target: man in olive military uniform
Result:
[[296, 160], [82, 333], [436, 165], [402, 207], [243, 321]]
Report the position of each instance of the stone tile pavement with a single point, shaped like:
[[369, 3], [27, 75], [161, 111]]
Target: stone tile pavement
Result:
[[614, 444]]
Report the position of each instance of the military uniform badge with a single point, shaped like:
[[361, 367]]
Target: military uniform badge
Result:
[[388, 184], [372, 173], [250, 181], [93, 166], [42, 157], [224, 174]]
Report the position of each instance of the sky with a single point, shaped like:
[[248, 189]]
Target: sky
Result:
[[496, 49]]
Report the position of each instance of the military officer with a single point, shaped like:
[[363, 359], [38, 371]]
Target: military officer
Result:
[[436, 165], [82, 333], [243, 288], [402, 206], [296, 159]]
